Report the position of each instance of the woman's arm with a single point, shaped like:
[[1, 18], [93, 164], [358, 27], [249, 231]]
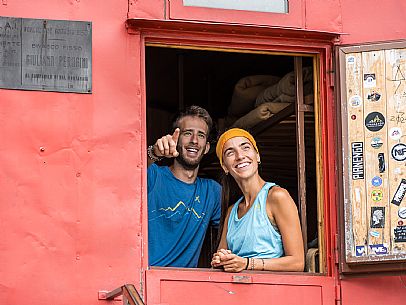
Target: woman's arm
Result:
[[223, 241], [282, 209]]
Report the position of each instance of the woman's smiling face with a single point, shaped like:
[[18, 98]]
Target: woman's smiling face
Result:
[[240, 158]]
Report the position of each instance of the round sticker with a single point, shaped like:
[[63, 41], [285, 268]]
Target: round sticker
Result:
[[376, 181], [397, 171], [351, 59], [376, 142], [399, 152], [376, 195], [353, 117], [374, 96], [402, 213], [374, 121], [355, 101], [374, 233], [400, 223], [395, 133]]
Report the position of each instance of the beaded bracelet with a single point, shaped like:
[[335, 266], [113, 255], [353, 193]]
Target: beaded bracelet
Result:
[[152, 155], [252, 264]]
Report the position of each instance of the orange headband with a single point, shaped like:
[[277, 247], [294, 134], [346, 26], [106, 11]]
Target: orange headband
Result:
[[229, 134]]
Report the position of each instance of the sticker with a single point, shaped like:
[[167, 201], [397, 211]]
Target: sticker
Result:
[[398, 152], [357, 167], [374, 234], [402, 213], [381, 162], [374, 96], [377, 217], [376, 195], [395, 133], [400, 193], [400, 234], [351, 59], [376, 181], [369, 80], [353, 117], [357, 194], [400, 223], [376, 142], [359, 250], [355, 101], [374, 121], [397, 171], [378, 249]]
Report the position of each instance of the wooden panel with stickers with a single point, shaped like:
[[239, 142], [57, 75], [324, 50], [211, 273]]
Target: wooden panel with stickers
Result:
[[374, 145]]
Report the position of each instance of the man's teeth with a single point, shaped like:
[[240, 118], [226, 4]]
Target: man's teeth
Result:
[[192, 149]]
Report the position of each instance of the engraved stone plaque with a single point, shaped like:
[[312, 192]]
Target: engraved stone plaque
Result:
[[46, 55]]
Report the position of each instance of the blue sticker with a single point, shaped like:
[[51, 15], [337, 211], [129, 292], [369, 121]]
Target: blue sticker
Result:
[[359, 250], [379, 249], [376, 142], [376, 181], [374, 233]]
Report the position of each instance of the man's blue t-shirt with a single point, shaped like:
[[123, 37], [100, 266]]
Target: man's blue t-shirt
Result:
[[179, 214]]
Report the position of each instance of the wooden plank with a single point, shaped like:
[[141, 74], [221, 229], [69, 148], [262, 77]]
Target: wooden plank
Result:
[[319, 167], [396, 110], [356, 160], [376, 174], [301, 158]]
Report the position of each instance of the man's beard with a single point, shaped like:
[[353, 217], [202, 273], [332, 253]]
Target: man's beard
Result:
[[187, 164]]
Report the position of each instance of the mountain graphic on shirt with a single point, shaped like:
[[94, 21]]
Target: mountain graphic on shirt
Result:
[[177, 209]]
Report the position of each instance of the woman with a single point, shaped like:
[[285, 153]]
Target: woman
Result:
[[261, 231]]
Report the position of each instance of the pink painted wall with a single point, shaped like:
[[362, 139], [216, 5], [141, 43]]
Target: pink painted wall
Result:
[[359, 21], [70, 215]]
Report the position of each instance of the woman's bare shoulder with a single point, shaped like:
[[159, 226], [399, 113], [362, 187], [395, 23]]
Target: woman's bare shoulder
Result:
[[278, 194]]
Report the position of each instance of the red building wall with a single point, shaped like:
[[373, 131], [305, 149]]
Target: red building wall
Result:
[[71, 212], [70, 215]]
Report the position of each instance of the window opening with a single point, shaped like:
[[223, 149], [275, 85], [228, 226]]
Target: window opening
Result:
[[177, 78]]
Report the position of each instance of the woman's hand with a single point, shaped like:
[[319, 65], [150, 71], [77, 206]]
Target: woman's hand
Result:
[[218, 257], [229, 261]]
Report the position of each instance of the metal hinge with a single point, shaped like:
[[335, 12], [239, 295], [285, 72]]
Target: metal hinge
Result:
[[336, 250], [338, 294]]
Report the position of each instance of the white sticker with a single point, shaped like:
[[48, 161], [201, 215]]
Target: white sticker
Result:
[[397, 171], [402, 213], [369, 80], [355, 101], [357, 195], [395, 133], [351, 59]]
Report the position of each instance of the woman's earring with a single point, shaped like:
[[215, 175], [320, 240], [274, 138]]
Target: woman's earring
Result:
[[259, 161], [226, 173]]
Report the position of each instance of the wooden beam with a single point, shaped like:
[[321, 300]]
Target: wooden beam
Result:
[[300, 146]]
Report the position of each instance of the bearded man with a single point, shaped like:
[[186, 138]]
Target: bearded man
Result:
[[181, 205]]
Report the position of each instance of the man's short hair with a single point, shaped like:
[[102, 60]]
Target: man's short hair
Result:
[[195, 111]]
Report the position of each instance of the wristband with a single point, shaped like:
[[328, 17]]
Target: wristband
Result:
[[152, 155], [248, 261]]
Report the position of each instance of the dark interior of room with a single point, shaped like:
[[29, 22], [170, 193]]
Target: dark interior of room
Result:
[[177, 78]]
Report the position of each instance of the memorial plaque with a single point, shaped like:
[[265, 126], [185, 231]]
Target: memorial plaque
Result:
[[46, 55]]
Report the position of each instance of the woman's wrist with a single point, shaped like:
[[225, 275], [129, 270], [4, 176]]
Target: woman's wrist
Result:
[[246, 266]]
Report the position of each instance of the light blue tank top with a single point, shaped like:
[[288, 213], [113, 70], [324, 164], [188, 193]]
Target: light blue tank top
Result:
[[253, 235]]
